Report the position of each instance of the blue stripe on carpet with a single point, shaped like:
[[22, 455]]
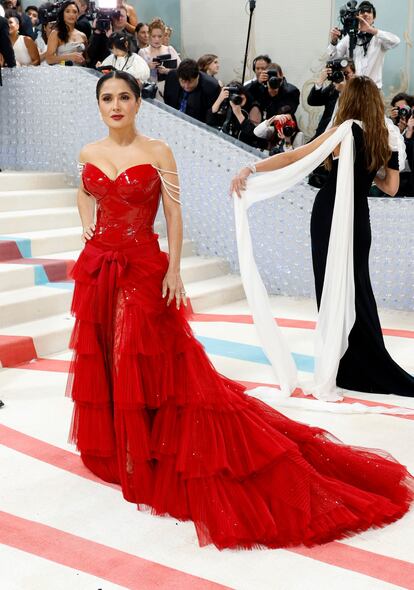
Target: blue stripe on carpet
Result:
[[248, 352]]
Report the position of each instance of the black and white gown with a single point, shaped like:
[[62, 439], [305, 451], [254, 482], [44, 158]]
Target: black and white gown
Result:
[[366, 365]]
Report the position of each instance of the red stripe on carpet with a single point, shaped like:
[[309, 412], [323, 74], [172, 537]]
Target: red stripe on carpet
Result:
[[38, 449], [381, 567], [59, 366], [15, 350], [9, 250], [282, 322], [336, 554], [113, 565]]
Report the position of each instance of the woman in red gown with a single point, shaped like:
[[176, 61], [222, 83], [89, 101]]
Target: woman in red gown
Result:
[[152, 414]]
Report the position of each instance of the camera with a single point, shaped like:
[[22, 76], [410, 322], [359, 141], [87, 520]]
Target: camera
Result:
[[336, 66], [234, 95], [274, 81], [48, 12], [348, 15], [149, 90], [288, 128], [404, 112]]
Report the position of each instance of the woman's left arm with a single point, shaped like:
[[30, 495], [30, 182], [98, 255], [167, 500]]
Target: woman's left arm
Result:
[[33, 51], [172, 284], [390, 183]]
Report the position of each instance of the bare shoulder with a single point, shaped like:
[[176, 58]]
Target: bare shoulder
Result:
[[90, 150], [159, 149]]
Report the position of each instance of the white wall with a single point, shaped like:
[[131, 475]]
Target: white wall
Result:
[[293, 32]]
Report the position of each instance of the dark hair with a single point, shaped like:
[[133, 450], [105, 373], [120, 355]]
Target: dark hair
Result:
[[35, 8], [409, 100], [369, 6], [274, 66], [263, 57], [61, 26], [139, 27], [188, 70], [11, 13], [119, 75], [119, 41]]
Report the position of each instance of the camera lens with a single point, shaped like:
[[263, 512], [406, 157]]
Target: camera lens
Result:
[[236, 99], [288, 130], [274, 82], [337, 77]]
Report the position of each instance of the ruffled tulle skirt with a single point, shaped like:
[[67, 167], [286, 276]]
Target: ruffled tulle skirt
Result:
[[152, 414]]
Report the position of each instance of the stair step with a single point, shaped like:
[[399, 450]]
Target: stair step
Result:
[[25, 305], [38, 219], [216, 291], [195, 268], [19, 181], [49, 334], [16, 276], [49, 240], [18, 200]]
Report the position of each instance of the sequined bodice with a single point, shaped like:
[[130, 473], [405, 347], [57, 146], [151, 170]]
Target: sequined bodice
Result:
[[126, 206]]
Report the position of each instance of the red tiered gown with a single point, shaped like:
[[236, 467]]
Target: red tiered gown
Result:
[[152, 414]]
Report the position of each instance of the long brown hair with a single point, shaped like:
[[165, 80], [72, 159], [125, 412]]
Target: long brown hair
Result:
[[361, 100]]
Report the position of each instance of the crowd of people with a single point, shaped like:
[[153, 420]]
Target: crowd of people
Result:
[[260, 112]]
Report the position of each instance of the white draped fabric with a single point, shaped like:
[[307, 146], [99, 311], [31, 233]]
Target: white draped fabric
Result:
[[337, 308]]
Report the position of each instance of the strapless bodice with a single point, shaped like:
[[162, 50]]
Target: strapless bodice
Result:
[[126, 206]]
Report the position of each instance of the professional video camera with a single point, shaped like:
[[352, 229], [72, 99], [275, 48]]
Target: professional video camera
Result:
[[348, 16], [103, 13], [48, 12], [336, 66]]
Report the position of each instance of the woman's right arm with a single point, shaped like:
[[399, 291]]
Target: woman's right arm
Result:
[[86, 205], [278, 161], [52, 45]]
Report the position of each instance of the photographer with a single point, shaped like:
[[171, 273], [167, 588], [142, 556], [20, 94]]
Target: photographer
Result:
[[234, 113], [107, 23], [26, 27], [122, 59], [25, 49], [190, 91], [159, 68], [259, 65], [337, 72], [273, 93], [371, 43], [281, 133], [131, 17], [402, 115], [83, 24]]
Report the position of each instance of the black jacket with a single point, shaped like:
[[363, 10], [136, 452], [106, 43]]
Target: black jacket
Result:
[[323, 97], [6, 48], [84, 26], [229, 124], [199, 101], [286, 100]]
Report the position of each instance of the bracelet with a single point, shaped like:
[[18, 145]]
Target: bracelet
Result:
[[252, 168]]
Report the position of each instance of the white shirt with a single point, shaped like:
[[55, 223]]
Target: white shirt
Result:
[[372, 63], [1, 10], [132, 64]]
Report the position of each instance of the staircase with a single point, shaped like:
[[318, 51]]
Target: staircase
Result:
[[39, 243]]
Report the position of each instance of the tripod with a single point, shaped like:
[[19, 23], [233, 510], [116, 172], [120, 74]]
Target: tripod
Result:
[[252, 5]]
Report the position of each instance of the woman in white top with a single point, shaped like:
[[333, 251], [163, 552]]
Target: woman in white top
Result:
[[122, 59], [156, 48], [65, 42], [282, 133], [25, 49]]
